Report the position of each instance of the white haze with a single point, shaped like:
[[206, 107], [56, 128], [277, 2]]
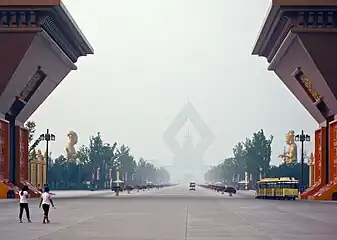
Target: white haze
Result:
[[152, 56]]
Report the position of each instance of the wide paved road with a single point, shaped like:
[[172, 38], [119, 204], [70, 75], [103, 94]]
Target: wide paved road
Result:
[[174, 214]]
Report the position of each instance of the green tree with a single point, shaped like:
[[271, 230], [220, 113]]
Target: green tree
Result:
[[98, 154], [163, 175], [223, 172], [140, 171], [229, 170], [258, 154], [239, 161], [146, 172], [125, 162], [84, 164], [291, 170], [252, 156], [31, 126], [110, 155], [83, 155], [57, 171], [95, 150]]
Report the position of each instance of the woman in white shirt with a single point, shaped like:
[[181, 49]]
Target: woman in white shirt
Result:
[[24, 203], [45, 203]]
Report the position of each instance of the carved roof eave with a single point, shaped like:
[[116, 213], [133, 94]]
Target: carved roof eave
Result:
[[288, 41], [57, 22], [64, 31], [274, 26], [75, 31], [268, 25], [277, 26]]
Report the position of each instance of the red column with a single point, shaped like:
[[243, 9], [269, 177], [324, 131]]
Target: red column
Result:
[[25, 154], [333, 152], [4, 149], [320, 155], [21, 164]]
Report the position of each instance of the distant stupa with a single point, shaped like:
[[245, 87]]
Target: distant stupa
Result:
[[188, 158]]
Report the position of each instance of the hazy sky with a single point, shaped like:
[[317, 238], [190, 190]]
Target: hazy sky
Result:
[[151, 56]]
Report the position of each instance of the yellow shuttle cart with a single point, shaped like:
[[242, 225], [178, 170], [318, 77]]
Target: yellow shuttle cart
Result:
[[277, 188]]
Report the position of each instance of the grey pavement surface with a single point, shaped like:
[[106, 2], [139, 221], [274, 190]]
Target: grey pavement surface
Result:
[[67, 194], [171, 214]]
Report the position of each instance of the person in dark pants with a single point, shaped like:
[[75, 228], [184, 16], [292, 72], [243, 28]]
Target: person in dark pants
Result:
[[45, 203], [24, 203]]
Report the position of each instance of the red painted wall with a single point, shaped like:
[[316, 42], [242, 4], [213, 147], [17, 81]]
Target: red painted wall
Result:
[[4, 149], [333, 152], [320, 155], [21, 154]]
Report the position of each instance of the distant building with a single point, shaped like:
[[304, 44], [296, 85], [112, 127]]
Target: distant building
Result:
[[188, 160]]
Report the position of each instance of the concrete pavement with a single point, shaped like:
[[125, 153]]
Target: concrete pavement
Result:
[[172, 214], [67, 194]]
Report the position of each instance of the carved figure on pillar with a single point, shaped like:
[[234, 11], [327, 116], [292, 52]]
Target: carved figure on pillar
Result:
[[290, 156], [70, 148], [33, 167], [41, 176], [311, 164]]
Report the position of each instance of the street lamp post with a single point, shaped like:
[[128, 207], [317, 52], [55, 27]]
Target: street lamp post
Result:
[[47, 137], [260, 172], [302, 138]]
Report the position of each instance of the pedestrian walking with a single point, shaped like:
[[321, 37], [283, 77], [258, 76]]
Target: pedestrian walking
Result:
[[44, 186], [45, 202], [24, 203]]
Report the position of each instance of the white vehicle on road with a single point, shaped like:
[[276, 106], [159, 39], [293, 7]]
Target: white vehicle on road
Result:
[[192, 186]]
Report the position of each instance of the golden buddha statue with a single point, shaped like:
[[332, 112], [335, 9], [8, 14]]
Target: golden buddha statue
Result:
[[70, 148], [290, 156]]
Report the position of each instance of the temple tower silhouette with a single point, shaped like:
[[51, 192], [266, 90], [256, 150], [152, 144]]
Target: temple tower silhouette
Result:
[[188, 160]]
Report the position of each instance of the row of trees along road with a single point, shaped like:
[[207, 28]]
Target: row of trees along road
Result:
[[97, 163], [252, 156]]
